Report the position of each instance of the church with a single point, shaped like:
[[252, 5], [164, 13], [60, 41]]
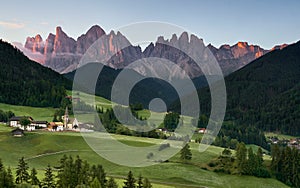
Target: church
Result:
[[69, 123]]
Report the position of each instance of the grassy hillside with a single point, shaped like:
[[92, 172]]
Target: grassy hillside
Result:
[[41, 148], [35, 112]]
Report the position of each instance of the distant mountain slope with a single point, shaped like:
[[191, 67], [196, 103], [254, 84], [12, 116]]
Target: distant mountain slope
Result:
[[264, 93], [63, 53], [143, 92], [24, 82]]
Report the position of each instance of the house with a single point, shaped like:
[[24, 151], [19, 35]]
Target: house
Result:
[[72, 123], [39, 124], [17, 132], [56, 126], [202, 130], [15, 122]]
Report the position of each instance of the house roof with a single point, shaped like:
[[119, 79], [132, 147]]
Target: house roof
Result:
[[56, 123], [18, 118], [71, 120], [40, 122], [17, 131]]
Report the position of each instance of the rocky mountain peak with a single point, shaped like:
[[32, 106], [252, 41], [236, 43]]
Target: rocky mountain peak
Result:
[[62, 53], [279, 47], [63, 43], [35, 44], [242, 44]]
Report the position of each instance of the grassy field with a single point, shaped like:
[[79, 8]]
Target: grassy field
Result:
[[36, 113], [42, 148], [279, 136]]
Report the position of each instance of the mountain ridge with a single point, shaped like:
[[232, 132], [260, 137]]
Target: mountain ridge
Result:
[[63, 53]]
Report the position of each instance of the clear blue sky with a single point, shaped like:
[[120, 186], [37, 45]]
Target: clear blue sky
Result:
[[262, 22]]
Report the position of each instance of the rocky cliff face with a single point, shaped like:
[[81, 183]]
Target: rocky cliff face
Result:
[[232, 58], [62, 53]]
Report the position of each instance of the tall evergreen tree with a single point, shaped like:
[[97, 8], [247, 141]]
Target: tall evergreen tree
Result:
[[259, 156], [95, 183], [22, 175], [48, 181], [140, 182], [99, 173], [111, 183], [147, 183], [185, 153], [129, 181], [33, 177], [9, 178], [241, 157], [6, 178], [251, 163]]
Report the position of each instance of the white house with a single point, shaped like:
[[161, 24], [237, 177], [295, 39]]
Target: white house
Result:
[[15, 122]]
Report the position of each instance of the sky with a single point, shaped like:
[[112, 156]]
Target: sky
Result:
[[262, 22]]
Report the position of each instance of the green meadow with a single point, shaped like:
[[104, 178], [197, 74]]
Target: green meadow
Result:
[[43, 147]]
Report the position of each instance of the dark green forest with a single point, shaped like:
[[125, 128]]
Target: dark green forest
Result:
[[262, 96], [25, 82]]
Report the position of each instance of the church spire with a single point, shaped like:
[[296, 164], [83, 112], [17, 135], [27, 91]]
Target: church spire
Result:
[[66, 117]]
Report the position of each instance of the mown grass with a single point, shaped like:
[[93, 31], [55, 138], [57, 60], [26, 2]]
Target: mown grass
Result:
[[279, 136], [36, 113], [40, 149]]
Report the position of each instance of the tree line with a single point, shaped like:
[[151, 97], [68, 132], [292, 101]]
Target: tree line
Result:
[[5, 115], [71, 173], [285, 164]]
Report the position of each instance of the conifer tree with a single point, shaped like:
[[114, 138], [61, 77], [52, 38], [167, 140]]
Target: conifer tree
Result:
[[22, 175], [33, 177], [129, 181], [185, 153], [48, 181], [147, 183], [111, 183], [140, 182], [241, 157]]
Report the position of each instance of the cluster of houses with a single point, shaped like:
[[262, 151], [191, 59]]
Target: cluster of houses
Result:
[[67, 124], [293, 142]]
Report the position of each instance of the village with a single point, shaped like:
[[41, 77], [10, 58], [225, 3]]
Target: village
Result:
[[67, 124]]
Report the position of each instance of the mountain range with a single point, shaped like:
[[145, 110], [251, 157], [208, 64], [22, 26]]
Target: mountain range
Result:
[[63, 53]]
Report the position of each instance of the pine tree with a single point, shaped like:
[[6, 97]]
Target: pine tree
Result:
[[6, 178], [130, 181], [9, 178], [241, 157], [95, 183], [251, 163], [140, 182], [276, 155], [48, 181], [147, 183], [22, 175], [1, 165], [112, 183], [98, 172], [33, 177], [259, 156], [185, 153]]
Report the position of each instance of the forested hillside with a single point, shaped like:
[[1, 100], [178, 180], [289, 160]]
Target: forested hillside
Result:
[[24, 82], [264, 94]]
